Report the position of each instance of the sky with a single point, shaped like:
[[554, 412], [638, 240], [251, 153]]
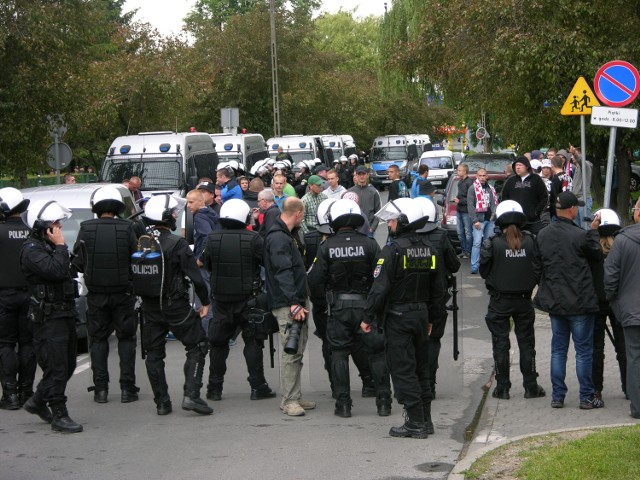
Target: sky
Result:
[[167, 15]]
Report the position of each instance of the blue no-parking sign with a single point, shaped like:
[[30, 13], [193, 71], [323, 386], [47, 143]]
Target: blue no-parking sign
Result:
[[617, 83]]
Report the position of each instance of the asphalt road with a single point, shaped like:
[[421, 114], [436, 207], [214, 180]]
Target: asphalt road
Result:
[[253, 439]]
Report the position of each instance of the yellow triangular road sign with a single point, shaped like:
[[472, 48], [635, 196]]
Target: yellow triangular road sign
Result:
[[580, 100]]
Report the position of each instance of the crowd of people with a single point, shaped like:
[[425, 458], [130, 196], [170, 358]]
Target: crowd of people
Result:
[[274, 251]]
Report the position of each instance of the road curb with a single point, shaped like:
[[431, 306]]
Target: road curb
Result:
[[460, 467]]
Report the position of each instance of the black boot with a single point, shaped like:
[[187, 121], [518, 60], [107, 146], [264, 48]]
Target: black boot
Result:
[[100, 396], [129, 394], [192, 402], [535, 391], [10, 400], [36, 406], [413, 425], [25, 392], [164, 407], [383, 402], [61, 422], [343, 408], [368, 387], [263, 391], [428, 424]]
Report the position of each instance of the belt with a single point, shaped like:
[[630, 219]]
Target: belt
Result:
[[351, 296], [408, 307], [513, 294]]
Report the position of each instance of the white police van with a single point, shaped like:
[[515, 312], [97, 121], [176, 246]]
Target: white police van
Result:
[[300, 148], [441, 166], [340, 145], [245, 148]]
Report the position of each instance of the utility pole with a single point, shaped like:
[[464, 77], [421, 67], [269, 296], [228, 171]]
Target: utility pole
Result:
[[274, 72]]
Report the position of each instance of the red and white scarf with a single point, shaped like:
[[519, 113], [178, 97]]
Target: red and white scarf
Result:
[[481, 204]]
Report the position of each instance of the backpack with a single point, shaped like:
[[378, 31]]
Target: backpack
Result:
[[150, 266]]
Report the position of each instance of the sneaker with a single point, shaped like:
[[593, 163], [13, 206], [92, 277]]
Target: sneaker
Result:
[[591, 403], [501, 392], [307, 405], [293, 410], [557, 403], [474, 272], [466, 255], [535, 392], [461, 255]]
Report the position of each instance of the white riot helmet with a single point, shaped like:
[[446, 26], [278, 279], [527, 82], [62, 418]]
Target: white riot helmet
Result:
[[164, 209], [344, 158], [12, 201], [321, 214], [428, 208], [235, 214], [44, 213], [353, 156], [106, 199], [408, 213], [345, 213], [609, 222], [510, 212]]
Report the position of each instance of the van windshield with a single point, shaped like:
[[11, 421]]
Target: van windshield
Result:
[[435, 163], [157, 172], [388, 153], [233, 156]]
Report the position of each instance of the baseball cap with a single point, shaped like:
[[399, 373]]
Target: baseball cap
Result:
[[567, 200], [536, 164], [362, 169], [208, 186], [314, 180], [546, 163], [426, 188]]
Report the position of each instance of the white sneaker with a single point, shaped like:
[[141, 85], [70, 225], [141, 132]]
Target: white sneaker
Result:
[[293, 410]]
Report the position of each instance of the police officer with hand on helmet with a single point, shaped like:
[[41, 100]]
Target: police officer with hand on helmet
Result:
[[403, 280], [447, 264], [166, 307], [233, 255], [17, 367], [510, 265], [103, 252], [45, 263], [344, 265]]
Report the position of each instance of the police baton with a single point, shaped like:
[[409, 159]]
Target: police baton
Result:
[[454, 308]]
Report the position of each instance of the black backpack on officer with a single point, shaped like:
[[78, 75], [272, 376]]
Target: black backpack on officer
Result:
[[151, 266]]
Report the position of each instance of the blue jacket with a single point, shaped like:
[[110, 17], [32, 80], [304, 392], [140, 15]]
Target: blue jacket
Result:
[[231, 190]]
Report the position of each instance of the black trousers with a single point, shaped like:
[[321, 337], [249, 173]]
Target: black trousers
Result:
[[179, 318], [55, 342], [17, 367], [598, 350], [435, 344], [501, 309], [107, 313], [344, 338], [227, 317], [405, 334]]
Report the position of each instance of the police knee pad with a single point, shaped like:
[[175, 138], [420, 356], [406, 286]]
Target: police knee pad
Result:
[[202, 348]]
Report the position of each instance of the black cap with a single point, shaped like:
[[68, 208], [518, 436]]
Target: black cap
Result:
[[208, 186], [361, 169], [523, 160], [426, 188], [567, 200]]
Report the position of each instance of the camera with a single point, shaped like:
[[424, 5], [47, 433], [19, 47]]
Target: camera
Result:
[[291, 345]]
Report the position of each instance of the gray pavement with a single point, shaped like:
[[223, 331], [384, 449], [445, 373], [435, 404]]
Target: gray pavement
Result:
[[502, 421]]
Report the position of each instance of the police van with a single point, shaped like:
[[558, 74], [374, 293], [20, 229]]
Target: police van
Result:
[[301, 147], [245, 148], [166, 162], [388, 150], [340, 144]]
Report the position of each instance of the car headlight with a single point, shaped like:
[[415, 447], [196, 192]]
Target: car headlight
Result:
[[452, 220]]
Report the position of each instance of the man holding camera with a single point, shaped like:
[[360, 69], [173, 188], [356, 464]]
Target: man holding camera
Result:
[[286, 281]]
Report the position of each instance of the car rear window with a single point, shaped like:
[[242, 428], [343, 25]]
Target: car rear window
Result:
[[435, 163]]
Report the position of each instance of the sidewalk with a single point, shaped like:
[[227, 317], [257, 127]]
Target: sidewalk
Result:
[[503, 421]]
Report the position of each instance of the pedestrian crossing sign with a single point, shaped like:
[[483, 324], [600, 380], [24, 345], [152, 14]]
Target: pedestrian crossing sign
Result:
[[580, 100]]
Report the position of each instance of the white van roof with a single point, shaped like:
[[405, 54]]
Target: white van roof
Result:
[[437, 153]]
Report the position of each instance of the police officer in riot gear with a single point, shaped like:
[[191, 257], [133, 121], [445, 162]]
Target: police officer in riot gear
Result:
[[511, 268], [447, 264], [403, 280], [344, 266], [17, 367], [103, 252], [44, 259], [233, 255], [167, 307]]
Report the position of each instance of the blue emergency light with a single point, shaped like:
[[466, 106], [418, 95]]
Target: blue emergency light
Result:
[[165, 147], [125, 149]]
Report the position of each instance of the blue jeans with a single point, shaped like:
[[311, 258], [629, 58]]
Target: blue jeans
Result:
[[479, 235], [464, 232], [580, 327]]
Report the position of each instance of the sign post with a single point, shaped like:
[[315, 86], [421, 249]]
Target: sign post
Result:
[[617, 84], [580, 102]]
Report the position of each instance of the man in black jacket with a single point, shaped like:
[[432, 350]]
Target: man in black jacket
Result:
[[529, 191], [568, 294], [462, 213], [269, 209], [286, 280]]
